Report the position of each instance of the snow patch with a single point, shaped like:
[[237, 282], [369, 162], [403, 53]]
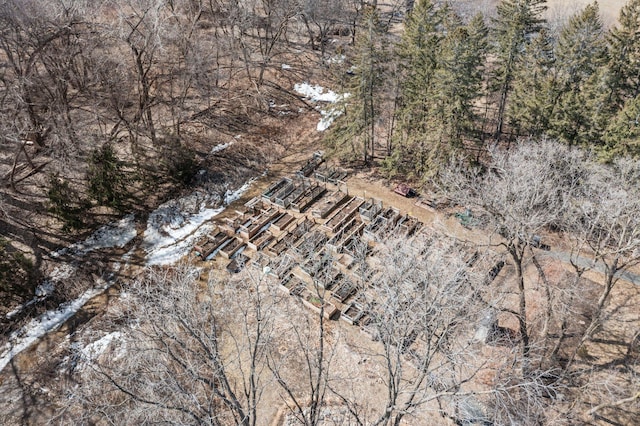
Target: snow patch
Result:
[[232, 196], [338, 59], [49, 321], [220, 147], [46, 288], [62, 272], [116, 234], [328, 118], [94, 349], [316, 93], [286, 67], [175, 226], [170, 225], [21, 307]]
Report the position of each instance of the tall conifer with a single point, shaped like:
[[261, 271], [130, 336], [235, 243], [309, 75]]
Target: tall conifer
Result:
[[516, 23], [580, 54], [418, 54], [622, 136], [354, 133], [458, 81], [531, 103], [624, 59]]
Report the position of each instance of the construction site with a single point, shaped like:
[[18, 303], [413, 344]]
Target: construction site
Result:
[[315, 238]]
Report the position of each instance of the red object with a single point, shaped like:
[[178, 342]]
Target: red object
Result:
[[404, 190]]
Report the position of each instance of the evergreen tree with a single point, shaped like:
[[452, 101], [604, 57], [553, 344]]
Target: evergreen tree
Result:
[[531, 103], [442, 71], [418, 52], [580, 54], [107, 181], [624, 57], [458, 81], [622, 136], [354, 132], [581, 48], [516, 23], [619, 82]]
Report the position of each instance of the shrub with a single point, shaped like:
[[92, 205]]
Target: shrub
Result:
[[65, 203], [182, 165], [17, 273], [107, 182]]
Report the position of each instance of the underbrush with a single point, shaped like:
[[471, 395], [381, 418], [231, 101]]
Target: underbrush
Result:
[[17, 273]]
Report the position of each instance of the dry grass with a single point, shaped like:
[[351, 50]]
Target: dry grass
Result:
[[561, 9]]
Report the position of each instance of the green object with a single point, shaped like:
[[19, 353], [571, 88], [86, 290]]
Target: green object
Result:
[[516, 24], [466, 218]]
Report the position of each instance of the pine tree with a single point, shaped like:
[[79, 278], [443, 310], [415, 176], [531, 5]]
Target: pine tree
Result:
[[418, 52], [458, 81], [516, 23], [531, 103], [443, 64], [580, 55], [622, 136], [354, 132], [624, 58], [618, 82], [581, 48]]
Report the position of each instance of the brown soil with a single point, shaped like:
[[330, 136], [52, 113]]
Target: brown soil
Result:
[[351, 345], [299, 140]]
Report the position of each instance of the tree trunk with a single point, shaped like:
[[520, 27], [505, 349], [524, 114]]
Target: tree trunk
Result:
[[517, 255]]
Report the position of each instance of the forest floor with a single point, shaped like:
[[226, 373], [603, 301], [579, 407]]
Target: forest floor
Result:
[[42, 357], [26, 376]]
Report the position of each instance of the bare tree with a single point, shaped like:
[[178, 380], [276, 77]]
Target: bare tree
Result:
[[523, 192], [40, 48], [420, 301], [267, 22], [141, 27], [194, 355], [306, 387], [323, 18], [607, 224]]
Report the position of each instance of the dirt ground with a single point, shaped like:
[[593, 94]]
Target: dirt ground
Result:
[[350, 344]]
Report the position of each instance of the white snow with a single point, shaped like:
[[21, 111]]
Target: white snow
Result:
[[15, 311], [338, 59], [43, 290], [220, 147], [94, 349], [170, 225], [175, 226], [327, 119], [318, 94], [62, 272], [286, 67], [45, 323], [116, 234], [232, 196], [172, 229], [46, 288]]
